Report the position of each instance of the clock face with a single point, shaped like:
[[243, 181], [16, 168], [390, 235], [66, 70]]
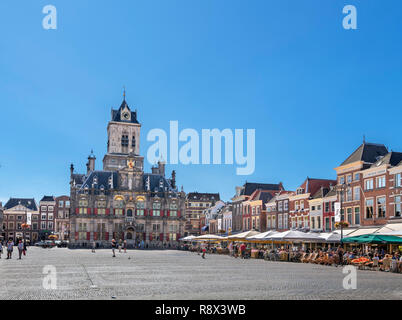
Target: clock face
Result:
[[126, 116]]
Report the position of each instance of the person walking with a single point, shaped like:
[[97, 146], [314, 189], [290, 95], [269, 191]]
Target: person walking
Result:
[[125, 246], [204, 251], [120, 242], [113, 247], [93, 246], [10, 246], [20, 249], [243, 250], [1, 248], [24, 251]]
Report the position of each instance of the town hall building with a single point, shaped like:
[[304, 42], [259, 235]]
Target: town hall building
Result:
[[121, 201]]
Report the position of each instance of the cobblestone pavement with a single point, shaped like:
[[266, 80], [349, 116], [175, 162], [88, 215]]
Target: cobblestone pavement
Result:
[[181, 275]]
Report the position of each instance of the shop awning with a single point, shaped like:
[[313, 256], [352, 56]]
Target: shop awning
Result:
[[209, 237], [293, 236], [262, 236], [243, 235], [362, 231], [374, 238]]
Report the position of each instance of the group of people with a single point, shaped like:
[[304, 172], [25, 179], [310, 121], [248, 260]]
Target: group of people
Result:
[[373, 258], [9, 245]]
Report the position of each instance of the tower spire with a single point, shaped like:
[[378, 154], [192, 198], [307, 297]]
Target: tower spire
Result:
[[124, 92]]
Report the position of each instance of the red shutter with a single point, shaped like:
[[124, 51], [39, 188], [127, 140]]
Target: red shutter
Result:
[[162, 212], [77, 210], [106, 235], [95, 236], [177, 236], [114, 212], [161, 237], [89, 210], [145, 212], [178, 213], [107, 211], [76, 236], [168, 213], [151, 212], [96, 211], [150, 237], [124, 212], [88, 235]]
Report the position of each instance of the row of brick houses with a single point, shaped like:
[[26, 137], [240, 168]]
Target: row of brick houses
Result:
[[51, 216], [368, 189]]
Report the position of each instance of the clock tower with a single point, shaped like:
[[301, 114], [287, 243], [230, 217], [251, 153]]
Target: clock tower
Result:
[[123, 140]]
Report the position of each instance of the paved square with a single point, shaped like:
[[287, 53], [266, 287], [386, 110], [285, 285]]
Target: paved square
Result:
[[181, 275]]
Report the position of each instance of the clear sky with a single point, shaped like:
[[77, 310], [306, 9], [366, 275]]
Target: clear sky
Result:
[[287, 69]]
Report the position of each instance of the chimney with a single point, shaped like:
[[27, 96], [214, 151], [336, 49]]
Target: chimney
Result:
[[71, 169], [174, 179], [161, 168]]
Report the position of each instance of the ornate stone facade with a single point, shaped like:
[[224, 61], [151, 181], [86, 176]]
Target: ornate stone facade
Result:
[[123, 202]]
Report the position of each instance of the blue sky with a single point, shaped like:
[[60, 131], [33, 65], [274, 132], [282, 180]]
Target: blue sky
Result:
[[286, 68]]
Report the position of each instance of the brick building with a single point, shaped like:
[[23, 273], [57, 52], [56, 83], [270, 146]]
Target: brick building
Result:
[[243, 193], [47, 211], [62, 217], [17, 212], [277, 215], [122, 201], [196, 203], [299, 207]]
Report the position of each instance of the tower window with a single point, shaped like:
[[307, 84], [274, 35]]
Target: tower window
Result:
[[133, 143], [124, 140]]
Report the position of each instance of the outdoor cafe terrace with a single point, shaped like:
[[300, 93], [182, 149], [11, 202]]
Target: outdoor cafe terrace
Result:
[[377, 248]]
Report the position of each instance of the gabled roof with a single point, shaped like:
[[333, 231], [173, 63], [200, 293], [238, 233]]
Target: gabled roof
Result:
[[99, 181], [158, 183], [116, 114], [78, 179], [311, 185], [331, 193], [392, 158], [250, 187], [321, 193], [104, 180], [29, 203], [203, 196], [367, 152], [48, 199]]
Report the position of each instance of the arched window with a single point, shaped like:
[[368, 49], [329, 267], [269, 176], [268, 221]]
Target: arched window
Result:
[[129, 213]]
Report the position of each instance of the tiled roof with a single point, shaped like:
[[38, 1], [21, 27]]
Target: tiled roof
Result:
[[392, 158], [28, 203], [48, 199], [104, 180], [116, 114], [250, 187], [203, 196], [367, 152]]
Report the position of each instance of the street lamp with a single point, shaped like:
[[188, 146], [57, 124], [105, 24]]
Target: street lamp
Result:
[[340, 189]]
